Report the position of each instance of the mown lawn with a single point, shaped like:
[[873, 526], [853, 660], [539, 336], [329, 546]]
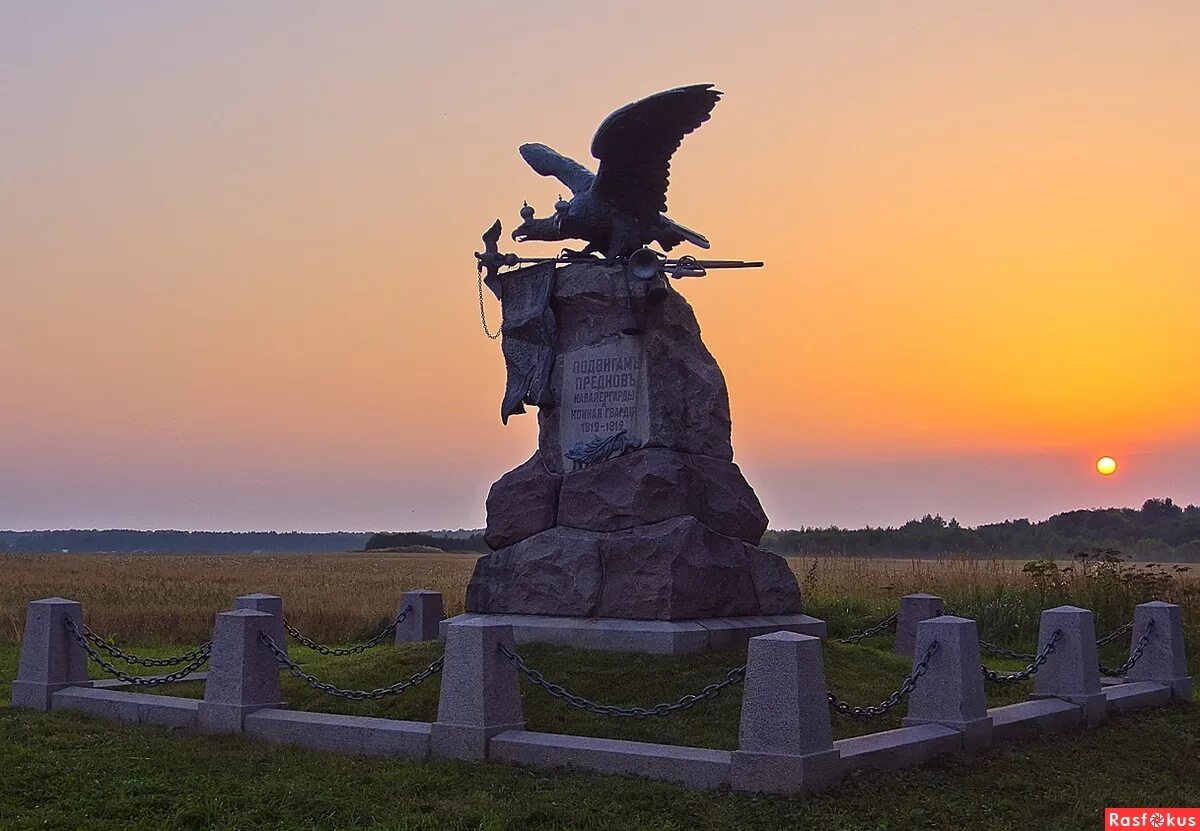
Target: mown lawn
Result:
[[59, 770], [858, 674]]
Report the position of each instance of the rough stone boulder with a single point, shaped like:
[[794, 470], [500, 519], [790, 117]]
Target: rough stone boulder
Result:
[[555, 572], [774, 583], [632, 507], [653, 484], [684, 393], [676, 569], [521, 503]]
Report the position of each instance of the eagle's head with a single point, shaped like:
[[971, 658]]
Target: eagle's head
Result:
[[546, 229]]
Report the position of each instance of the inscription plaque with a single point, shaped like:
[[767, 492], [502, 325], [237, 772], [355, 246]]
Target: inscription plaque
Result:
[[604, 407]]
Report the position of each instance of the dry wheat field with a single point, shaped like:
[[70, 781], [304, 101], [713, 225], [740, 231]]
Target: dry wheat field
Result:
[[168, 599]]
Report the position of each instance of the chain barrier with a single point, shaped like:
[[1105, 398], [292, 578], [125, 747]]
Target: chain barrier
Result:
[[1029, 671], [202, 654], [1134, 655], [1001, 652], [296, 671], [882, 708], [1113, 635], [734, 676], [886, 625], [115, 651], [375, 641], [1025, 656]]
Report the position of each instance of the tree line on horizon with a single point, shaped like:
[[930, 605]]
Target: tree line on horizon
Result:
[[1159, 530], [127, 541]]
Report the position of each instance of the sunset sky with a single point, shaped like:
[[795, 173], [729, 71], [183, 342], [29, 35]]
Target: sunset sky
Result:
[[237, 290]]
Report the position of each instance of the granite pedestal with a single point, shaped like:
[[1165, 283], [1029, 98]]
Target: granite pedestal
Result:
[[51, 659], [951, 691], [1071, 673], [425, 611], [243, 675], [915, 608], [269, 604], [655, 637], [1163, 659], [785, 739], [480, 696]]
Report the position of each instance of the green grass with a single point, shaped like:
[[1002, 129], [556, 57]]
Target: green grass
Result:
[[59, 770], [858, 674]]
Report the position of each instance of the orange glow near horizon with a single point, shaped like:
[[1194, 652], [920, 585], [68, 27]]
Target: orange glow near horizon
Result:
[[237, 251]]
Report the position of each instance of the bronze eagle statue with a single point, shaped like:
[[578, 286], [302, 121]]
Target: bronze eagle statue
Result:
[[621, 207]]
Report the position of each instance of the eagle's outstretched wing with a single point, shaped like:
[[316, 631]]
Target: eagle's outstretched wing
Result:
[[549, 162], [635, 145]]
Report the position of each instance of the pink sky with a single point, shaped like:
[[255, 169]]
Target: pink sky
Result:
[[237, 292]]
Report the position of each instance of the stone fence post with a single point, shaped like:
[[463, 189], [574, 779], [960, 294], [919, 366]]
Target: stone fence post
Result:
[[951, 690], [479, 696], [785, 742], [1163, 660], [51, 659], [1071, 671], [425, 616], [269, 604], [915, 608], [243, 675]]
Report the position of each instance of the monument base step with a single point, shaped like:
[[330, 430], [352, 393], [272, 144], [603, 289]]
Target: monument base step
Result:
[[656, 637]]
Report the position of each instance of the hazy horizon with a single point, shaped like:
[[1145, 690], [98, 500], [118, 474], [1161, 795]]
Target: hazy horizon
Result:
[[480, 528], [237, 291]]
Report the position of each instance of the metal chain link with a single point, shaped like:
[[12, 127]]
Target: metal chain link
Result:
[[882, 708], [296, 671], [1134, 655], [482, 312], [1029, 671], [137, 680], [1026, 656], [1113, 635], [887, 624], [349, 650], [734, 676], [1005, 653], [121, 655]]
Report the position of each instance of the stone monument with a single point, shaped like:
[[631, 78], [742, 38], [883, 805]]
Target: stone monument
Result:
[[630, 527]]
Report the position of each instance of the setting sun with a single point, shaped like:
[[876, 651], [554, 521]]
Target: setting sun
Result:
[[1106, 465]]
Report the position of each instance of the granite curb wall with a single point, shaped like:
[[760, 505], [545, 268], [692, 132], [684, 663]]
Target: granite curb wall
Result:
[[785, 743]]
